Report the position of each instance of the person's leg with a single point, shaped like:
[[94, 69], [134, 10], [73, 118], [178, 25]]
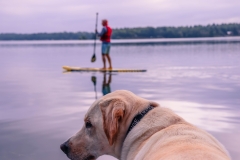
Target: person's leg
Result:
[[103, 55], [108, 56], [109, 78], [109, 61], [104, 61]]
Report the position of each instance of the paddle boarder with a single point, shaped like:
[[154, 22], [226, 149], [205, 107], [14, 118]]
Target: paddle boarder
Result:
[[105, 37]]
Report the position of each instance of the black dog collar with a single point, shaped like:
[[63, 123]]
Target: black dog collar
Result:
[[138, 117]]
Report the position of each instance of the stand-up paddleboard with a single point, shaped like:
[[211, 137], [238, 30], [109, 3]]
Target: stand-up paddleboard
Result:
[[68, 68]]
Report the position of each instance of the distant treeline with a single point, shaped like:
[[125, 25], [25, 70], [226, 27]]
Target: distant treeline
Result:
[[214, 30], [47, 36], [179, 32]]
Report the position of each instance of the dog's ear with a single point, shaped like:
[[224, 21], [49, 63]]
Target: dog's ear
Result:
[[113, 111]]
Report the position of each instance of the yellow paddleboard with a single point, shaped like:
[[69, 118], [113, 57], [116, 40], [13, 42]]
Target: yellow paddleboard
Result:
[[68, 68]]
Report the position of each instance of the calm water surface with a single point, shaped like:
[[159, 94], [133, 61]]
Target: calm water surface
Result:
[[41, 106]]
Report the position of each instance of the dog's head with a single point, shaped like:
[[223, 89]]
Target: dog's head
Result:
[[106, 124]]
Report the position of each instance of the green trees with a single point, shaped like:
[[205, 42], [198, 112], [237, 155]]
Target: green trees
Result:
[[178, 32], [214, 30], [47, 36]]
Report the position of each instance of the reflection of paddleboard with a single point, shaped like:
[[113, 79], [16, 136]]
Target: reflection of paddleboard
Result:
[[68, 68]]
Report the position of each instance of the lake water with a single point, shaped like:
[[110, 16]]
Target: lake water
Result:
[[41, 106]]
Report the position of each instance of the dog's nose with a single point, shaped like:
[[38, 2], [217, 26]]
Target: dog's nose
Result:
[[64, 147]]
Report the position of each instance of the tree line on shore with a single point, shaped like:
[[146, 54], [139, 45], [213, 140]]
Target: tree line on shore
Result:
[[214, 30]]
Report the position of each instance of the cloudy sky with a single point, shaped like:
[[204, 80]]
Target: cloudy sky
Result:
[[31, 16]]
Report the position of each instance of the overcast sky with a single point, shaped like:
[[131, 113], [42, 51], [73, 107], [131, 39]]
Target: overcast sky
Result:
[[31, 16]]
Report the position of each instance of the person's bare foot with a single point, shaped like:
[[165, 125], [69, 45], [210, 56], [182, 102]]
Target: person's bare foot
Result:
[[110, 68], [104, 68]]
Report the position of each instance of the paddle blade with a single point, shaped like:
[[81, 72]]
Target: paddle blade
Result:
[[93, 58], [94, 80]]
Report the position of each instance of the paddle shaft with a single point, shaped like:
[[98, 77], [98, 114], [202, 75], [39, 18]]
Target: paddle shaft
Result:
[[95, 34]]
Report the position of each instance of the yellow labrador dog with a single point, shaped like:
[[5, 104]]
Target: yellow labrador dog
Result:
[[128, 127]]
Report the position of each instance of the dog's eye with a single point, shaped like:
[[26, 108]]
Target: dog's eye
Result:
[[88, 124]]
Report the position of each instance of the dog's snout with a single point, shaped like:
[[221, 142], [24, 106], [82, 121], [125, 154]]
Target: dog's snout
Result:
[[64, 147]]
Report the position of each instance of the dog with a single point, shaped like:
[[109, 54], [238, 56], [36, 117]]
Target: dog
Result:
[[128, 127]]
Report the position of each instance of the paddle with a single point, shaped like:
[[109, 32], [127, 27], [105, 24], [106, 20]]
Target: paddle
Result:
[[94, 80], [94, 56]]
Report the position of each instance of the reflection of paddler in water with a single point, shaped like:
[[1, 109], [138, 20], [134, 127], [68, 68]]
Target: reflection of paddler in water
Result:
[[106, 84]]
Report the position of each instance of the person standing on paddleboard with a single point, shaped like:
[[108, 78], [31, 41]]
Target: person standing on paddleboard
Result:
[[105, 37]]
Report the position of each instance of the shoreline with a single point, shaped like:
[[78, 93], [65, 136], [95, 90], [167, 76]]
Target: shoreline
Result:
[[128, 41]]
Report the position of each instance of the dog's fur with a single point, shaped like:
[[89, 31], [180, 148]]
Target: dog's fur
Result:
[[160, 135]]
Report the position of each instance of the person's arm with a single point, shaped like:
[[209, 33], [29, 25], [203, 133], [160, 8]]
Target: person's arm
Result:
[[104, 30]]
